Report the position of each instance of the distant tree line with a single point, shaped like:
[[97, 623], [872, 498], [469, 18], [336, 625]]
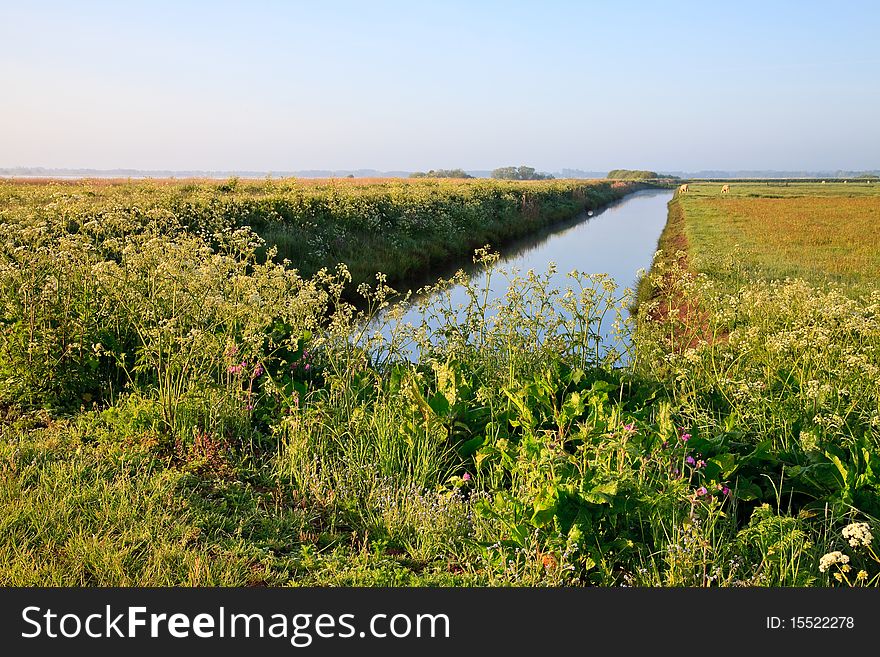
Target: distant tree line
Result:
[[441, 173], [519, 173], [631, 174]]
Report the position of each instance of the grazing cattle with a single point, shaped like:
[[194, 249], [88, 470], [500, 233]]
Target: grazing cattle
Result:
[[682, 188], [725, 189], [844, 182], [823, 182]]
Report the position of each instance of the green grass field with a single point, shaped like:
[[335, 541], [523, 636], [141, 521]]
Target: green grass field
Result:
[[818, 233]]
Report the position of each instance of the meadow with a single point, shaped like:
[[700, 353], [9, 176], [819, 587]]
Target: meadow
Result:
[[823, 234], [183, 406]]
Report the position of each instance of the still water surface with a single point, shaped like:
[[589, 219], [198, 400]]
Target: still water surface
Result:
[[618, 240]]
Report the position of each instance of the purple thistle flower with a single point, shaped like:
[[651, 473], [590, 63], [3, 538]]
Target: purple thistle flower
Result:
[[685, 437], [725, 491], [702, 490], [690, 460], [466, 476]]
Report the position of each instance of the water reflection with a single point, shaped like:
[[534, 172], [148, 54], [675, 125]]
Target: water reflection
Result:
[[618, 241]]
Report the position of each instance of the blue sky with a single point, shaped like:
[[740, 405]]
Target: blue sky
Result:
[[409, 85]]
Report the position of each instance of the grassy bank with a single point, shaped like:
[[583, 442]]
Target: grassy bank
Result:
[[402, 228], [760, 315]]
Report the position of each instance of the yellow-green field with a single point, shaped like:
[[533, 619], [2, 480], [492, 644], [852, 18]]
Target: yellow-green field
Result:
[[819, 233]]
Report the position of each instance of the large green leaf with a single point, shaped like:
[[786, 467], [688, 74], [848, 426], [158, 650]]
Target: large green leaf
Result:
[[602, 493]]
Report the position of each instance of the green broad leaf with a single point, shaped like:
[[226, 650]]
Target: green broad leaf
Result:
[[469, 447], [870, 475], [525, 418], [712, 471], [575, 535], [484, 455], [448, 380], [545, 507], [572, 408], [746, 490], [519, 535], [420, 401], [730, 422], [300, 387], [602, 387], [841, 468], [820, 477], [575, 375], [697, 444], [763, 452], [601, 494], [727, 464], [439, 403]]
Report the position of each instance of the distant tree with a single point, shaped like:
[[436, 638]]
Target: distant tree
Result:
[[505, 173], [519, 173], [631, 174], [441, 173]]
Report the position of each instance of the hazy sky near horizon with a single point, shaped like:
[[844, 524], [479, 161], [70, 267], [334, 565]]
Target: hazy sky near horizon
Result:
[[410, 86]]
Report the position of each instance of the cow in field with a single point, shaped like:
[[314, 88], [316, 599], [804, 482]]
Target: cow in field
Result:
[[725, 189], [682, 189]]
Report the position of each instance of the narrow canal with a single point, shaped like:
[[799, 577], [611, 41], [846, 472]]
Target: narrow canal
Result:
[[619, 240]]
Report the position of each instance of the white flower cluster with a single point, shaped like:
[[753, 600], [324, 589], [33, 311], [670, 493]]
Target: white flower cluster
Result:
[[858, 534], [831, 559]]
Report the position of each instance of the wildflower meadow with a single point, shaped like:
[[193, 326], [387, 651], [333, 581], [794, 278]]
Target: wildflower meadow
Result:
[[196, 389]]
